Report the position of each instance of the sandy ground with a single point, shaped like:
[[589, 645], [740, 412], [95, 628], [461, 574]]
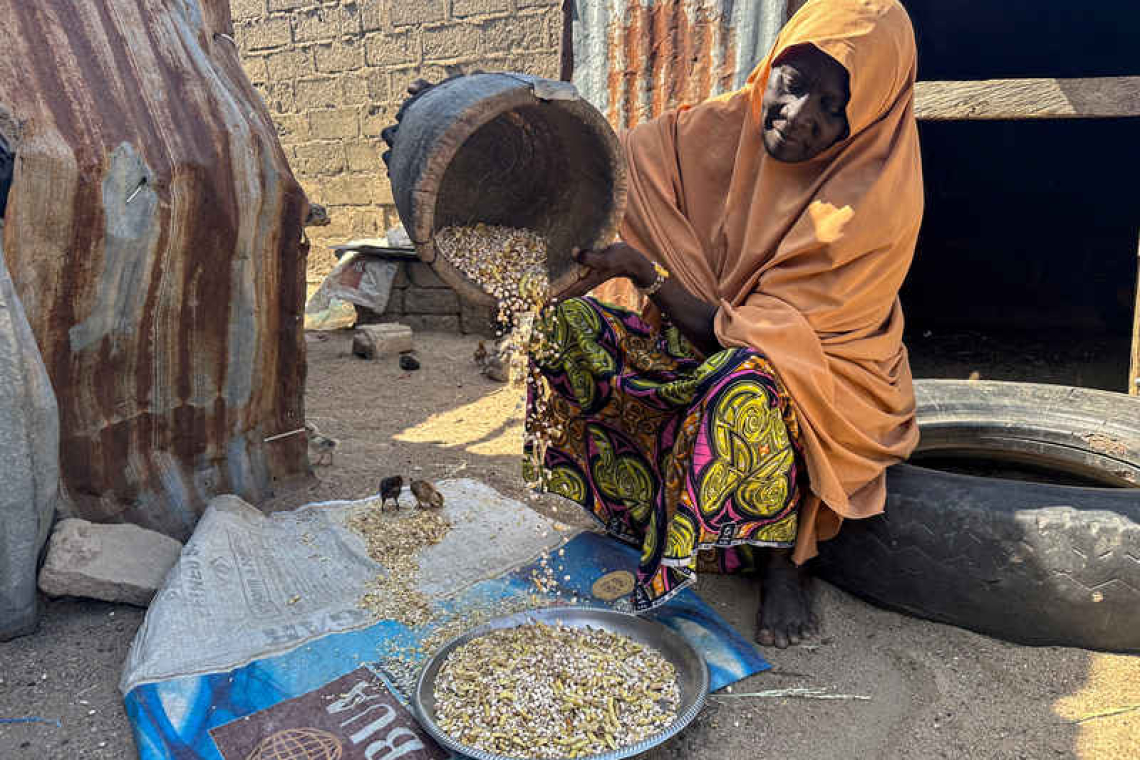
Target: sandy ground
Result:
[[935, 691]]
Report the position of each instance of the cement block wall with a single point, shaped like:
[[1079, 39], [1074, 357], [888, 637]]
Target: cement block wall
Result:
[[423, 302], [333, 74]]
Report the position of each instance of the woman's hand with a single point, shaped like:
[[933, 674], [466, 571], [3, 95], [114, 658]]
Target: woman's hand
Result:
[[618, 260], [692, 316]]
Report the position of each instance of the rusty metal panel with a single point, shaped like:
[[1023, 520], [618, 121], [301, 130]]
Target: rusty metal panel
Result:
[[634, 59], [153, 232]]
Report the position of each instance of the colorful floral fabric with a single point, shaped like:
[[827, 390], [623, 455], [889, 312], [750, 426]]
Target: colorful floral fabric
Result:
[[669, 452]]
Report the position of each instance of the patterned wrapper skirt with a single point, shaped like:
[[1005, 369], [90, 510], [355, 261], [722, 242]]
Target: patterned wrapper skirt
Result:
[[671, 453]]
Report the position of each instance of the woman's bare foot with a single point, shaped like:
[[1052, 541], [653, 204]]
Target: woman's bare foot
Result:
[[785, 615]]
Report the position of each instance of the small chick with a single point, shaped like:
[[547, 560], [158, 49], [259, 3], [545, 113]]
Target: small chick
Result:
[[390, 488], [426, 495], [318, 216], [320, 446], [481, 354]]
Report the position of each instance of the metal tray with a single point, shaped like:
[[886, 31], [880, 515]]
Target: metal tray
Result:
[[692, 672]]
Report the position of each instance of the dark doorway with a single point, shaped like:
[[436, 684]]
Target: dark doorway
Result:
[[1026, 264]]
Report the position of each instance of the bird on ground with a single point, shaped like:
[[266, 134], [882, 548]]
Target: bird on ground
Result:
[[426, 495], [321, 446], [317, 216], [390, 488]]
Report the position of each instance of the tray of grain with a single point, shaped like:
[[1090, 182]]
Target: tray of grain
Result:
[[507, 151], [563, 682]]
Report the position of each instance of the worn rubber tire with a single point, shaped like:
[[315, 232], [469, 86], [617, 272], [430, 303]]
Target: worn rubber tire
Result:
[[1033, 563]]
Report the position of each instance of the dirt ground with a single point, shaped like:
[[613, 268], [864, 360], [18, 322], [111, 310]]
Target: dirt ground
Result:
[[935, 691]]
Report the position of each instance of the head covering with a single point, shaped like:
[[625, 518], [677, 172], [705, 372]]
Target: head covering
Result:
[[804, 260]]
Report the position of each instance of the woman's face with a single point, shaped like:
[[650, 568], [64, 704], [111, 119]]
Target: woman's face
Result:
[[804, 110]]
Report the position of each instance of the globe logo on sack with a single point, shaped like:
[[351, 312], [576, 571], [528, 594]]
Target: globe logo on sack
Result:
[[298, 744]]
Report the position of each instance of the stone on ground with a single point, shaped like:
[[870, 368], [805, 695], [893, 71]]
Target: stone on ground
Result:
[[372, 341], [114, 563], [496, 364]]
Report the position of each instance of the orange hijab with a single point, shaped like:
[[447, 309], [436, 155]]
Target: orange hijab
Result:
[[805, 260]]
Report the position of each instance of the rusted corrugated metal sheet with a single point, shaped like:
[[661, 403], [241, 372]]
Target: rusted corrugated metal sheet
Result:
[[634, 59], [153, 232]]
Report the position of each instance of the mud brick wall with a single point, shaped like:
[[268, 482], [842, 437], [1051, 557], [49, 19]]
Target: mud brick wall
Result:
[[333, 74]]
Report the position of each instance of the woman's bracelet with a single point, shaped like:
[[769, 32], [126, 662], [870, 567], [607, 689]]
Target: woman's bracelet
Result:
[[662, 276]]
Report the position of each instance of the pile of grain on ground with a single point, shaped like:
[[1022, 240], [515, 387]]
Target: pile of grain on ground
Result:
[[554, 692], [394, 541]]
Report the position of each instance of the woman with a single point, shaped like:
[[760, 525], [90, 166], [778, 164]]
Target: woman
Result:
[[760, 397]]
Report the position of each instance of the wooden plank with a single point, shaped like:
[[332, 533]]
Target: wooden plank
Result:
[[1104, 97], [1134, 377]]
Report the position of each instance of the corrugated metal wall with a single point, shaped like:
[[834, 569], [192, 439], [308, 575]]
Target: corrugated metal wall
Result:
[[634, 59], [153, 232]]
